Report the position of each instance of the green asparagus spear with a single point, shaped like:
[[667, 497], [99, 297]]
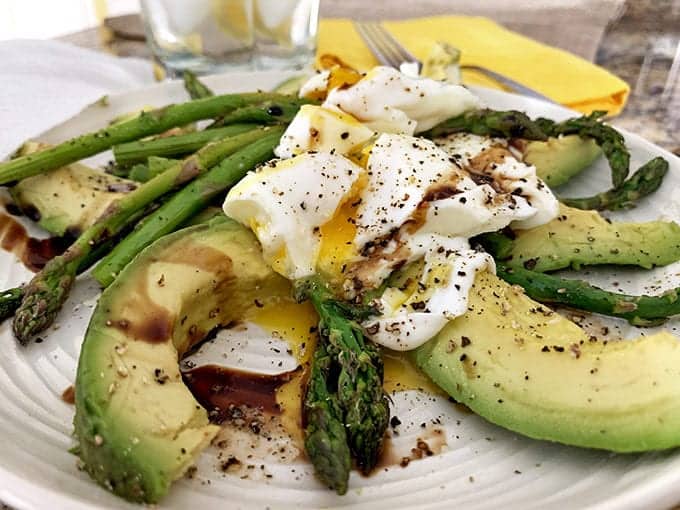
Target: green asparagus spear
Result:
[[10, 301], [638, 310], [48, 289], [545, 125], [143, 172], [359, 375], [73, 262], [485, 122], [239, 121], [515, 124], [325, 436], [609, 139], [361, 394], [195, 87], [148, 123], [127, 154], [186, 203], [642, 183], [268, 112]]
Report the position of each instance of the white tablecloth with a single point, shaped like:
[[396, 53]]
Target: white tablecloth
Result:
[[45, 82]]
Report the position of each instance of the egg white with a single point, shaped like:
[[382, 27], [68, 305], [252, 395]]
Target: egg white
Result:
[[511, 175], [287, 201], [391, 102], [410, 319], [374, 199], [318, 129]]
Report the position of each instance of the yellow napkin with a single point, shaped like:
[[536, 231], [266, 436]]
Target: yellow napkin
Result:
[[560, 75]]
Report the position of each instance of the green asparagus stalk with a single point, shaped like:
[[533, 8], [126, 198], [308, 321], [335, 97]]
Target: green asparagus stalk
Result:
[[268, 112], [513, 124], [485, 122], [186, 203], [10, 301], [272, 112], [325, 436], [638, 310], [147, 123], [361, 395], [195, 87], [143, 172], [359, 372], [72, 265], [127, 154], [642, 183], [47, 291], [607, 138], [205, 216]]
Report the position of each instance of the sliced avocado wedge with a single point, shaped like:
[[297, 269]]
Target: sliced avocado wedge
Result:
[[526, 368], [291, 85], [138, 426], [578, 238], [557, 160], [69, 199]]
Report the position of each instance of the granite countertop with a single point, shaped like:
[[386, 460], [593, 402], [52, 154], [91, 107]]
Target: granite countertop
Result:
[[640, 48]]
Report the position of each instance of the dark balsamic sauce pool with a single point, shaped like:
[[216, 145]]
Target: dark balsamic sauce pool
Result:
[[34, 253], [220, 389]]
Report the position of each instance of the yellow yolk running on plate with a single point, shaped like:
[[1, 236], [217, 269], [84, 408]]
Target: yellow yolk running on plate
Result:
[[402, 375], [296, 324]]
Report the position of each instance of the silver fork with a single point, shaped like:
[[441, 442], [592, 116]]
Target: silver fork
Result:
[[389, 52]]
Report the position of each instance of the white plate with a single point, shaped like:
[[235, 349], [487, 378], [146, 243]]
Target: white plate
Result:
[[482, 466]]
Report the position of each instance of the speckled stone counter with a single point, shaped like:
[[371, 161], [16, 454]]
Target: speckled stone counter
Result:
[[640, 47]]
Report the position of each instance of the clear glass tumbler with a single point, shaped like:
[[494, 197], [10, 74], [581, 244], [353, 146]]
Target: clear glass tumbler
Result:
[[285, 33], [201, 35]]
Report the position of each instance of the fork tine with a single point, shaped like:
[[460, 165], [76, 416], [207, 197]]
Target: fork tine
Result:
[[396, 47], [383, 45], [373, 45]]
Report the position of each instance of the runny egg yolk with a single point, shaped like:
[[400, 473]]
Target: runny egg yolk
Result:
[[287, 203], [337, 236], [401, 374], [295, 323]]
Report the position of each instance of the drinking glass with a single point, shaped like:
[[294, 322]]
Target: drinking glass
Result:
[[200, 35], [285, 33]]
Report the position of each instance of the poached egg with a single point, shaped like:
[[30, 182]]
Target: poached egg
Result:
[[389, 101], [370, 199]]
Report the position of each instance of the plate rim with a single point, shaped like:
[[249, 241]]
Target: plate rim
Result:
[[25, 494]]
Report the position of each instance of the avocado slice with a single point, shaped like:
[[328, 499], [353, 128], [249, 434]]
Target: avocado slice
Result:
[[137, 424], [69, 199], [559, 159], [291, 86], [577, 238], [526, 368]]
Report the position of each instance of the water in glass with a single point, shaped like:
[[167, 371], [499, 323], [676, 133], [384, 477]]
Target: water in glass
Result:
[[285, 32], [201, 35]]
